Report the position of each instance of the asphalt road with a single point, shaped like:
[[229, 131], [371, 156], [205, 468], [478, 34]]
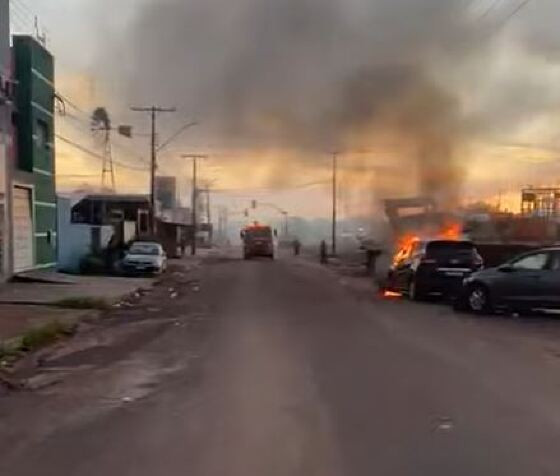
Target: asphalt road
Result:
[[282, 368]]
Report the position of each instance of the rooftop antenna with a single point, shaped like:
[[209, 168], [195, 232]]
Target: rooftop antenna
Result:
[[41, 38]]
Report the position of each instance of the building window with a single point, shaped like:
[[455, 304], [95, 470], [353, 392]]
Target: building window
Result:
[[42, 135]]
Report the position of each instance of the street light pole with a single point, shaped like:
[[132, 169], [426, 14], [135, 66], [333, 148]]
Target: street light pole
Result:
[[153, 110]]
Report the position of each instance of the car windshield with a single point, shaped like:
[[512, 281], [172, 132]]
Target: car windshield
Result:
[[144, 249], [259, 233]]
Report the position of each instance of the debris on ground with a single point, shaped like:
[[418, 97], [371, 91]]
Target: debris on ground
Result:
[[41, 381], [82, 303], [27, 358], [443, 424]]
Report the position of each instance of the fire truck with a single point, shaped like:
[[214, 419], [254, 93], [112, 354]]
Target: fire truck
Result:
[[258, 240]]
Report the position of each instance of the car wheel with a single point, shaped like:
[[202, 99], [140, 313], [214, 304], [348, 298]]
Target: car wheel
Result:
[[478, 300], [414, 294]]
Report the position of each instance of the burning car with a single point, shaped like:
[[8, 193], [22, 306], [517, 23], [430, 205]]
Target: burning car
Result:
[[424, 267]]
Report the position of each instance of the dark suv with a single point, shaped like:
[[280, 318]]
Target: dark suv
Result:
[[426, 267]]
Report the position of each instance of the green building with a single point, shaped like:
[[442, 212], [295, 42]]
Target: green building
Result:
[[33, 176]]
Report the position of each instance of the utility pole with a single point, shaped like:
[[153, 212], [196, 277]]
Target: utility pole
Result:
[[334, 176], [285, 224], [209, 215], [194, 199], [153, 110]]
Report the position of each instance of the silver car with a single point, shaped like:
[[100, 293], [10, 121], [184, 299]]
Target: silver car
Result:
[[145, 257]]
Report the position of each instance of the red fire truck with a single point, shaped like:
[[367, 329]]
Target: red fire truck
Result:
[[258, 240]]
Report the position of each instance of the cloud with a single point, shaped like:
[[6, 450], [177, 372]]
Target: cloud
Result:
[[311, 76]]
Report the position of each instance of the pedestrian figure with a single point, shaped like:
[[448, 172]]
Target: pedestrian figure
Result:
[[297, 247], [323, 252]]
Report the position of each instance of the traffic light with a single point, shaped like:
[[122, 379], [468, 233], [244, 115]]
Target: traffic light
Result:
[[246, 213], [253, 204]]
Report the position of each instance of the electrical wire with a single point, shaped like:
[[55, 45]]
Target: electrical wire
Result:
[[23, 5], [85, 127], [515, 11], [96, 155], [30, 16], [490, 9]]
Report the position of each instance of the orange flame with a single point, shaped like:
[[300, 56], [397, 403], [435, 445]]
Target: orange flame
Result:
[[391, 294], [452, 231], [404, 246], [407, 240]]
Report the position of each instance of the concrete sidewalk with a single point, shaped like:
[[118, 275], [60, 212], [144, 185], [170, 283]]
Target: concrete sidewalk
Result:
[[110, 289], [15, 320], [26, 305]]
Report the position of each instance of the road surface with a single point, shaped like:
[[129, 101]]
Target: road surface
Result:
[[282, 368]]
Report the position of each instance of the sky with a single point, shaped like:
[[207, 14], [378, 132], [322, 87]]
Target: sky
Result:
[[455, 98]]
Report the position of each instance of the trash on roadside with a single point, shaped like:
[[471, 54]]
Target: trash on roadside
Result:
[[443, 424], [173, 295], [127, 399]]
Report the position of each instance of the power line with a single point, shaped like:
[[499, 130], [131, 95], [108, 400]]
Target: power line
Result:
[[17, 8], [490, 9], [244, 192], [515, 11], [26, 10], [86, 124], [153, 111], [21, 4], [20, 21], [96, 155]]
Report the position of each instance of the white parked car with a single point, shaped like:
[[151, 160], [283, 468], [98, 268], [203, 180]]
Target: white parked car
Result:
[[145, 257]]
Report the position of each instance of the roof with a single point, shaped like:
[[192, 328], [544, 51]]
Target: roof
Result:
[[443, 239], [117, 198]]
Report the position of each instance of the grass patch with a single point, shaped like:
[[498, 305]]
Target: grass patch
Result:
[[82, 303], [38, 337], [34, 339], [8, 354]]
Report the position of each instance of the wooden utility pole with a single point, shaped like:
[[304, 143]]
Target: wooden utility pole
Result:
[[209, 215], [334, 199], [194, 199], [153, 110]]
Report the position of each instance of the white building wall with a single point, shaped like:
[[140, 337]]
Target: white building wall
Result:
[[75, 240]]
